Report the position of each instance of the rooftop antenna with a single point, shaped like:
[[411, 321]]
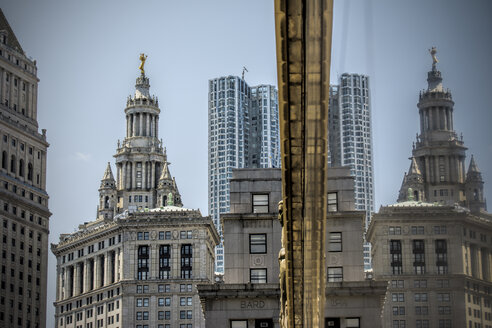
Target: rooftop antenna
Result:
[[244, 69]]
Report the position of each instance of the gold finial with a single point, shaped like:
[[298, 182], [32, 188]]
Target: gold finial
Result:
[[143, 57], [433, 52]]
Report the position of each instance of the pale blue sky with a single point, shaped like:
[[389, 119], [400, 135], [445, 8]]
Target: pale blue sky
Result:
[[87, 55]]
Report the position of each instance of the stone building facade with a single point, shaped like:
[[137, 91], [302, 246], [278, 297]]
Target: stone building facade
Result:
[[435, 244], [249, 294], [438, 259], [138, 263], [23, 198]]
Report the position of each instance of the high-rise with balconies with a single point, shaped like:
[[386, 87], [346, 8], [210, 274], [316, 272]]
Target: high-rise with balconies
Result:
[[243, 132], [350, 140]]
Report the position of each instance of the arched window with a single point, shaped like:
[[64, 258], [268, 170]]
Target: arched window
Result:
[[4, 160], [29, 172], [12, 164], [475, 194], [164, 200], [416, 195], [21, 167], [106, 202]]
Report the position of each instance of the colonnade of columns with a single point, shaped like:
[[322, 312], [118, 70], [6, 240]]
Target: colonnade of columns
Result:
[[436, 118], [478, 261], [147, 177], [454, 168], [90, 273], [142, 125]]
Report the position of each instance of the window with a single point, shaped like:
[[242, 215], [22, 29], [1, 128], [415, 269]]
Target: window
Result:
[[417, 230], [396, 257], [332, 202], [258, 276], [143, 235], [397, 283], [445, 323], [440, 230], [422, 324], [398, 297], [352, 322], [443, 297], [186, 261], [399, 324], [441, 256], [420, 283], [335, 242], [422, 310], [257, 243], [420, 297], [398, 310], [239, 323], [164, 261], [418, 256], [143, 263], [260, 203], [395, 230], [335, 274]]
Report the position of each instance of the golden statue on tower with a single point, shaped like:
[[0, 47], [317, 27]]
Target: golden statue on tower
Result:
[[143, 57]]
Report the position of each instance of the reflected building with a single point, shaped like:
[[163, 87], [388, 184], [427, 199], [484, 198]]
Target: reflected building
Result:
[[243, 132], [23, 197], [435, 244], [350, 140]]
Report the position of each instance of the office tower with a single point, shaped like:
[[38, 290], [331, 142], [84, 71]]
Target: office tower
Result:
[[24, 200], [350, 140], [435, 244], [249, 295], [243, 132], [137, 264]]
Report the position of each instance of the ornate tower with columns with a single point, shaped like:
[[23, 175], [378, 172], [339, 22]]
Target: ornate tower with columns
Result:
[[141, 158], [138, 263], [439, 154]]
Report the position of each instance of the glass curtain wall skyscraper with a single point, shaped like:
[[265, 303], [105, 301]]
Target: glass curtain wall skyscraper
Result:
[[243, 132], [350, 140]]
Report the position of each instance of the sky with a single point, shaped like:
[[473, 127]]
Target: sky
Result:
[[87, 58]]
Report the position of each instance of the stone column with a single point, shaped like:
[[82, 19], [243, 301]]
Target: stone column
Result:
[[128, 127], [144, 175], [147, 125], [451, 119], [479, 262], [134, 175], [76, 286], [152, 175], [97, 270], [86, 276], [154, 261], [175, 262], [152, 129], [445, 117], [107, 268], [447, 175], [436, 168], [118, 176], [134, 125], [140, 124], [157, 126]]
